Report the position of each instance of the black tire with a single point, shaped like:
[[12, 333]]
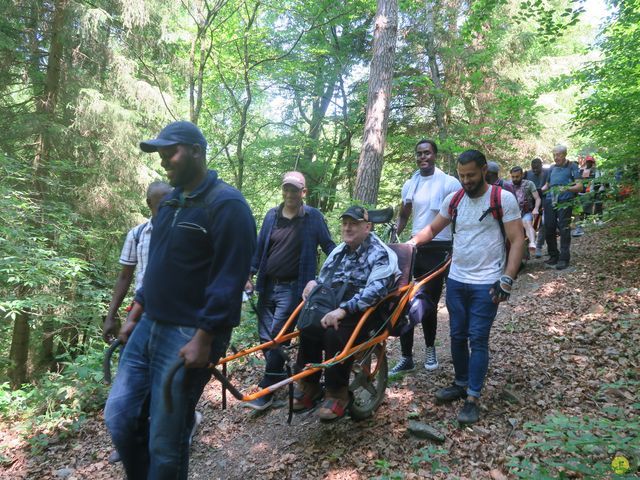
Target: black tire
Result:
[[368, 390]]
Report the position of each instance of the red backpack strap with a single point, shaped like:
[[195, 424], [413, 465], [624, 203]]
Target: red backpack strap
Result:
[[495, 202], [453, 208], [495, 205]]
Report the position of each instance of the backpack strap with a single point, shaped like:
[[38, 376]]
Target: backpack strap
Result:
[[137, 233], [495, 208], [453, 208]]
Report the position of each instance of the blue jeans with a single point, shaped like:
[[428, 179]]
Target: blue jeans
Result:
[[152, 443], [471, 314], [275, 305]]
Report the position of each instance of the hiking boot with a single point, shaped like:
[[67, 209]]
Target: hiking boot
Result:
[[577, 232], [261, 403], [306, 396], [538, 253], [405, 365], [451, 393], [552, 261], [470, 413], [197, 420], [562, 264], [431, 360]]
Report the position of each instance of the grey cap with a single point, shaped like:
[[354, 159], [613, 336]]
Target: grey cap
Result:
[[493, 167]]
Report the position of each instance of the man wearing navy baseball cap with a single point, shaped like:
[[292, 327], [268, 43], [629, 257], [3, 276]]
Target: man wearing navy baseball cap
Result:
[[202, 242]]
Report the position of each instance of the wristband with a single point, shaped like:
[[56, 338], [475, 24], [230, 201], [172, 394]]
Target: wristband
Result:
[[505, 283], [507, 279]]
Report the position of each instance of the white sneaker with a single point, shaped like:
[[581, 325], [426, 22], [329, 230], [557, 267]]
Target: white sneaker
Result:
[[431, 362], [197, 420]]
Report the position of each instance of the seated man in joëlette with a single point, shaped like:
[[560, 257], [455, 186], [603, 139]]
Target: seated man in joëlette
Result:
[[370, 269]]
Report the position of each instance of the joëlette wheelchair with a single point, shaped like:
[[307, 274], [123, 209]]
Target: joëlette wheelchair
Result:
[[369, 371]]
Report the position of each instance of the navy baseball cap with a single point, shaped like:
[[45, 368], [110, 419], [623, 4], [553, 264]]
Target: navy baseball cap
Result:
[[185, 133], [357, 213]]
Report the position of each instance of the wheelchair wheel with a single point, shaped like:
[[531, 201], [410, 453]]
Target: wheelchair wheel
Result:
[[368, 382]]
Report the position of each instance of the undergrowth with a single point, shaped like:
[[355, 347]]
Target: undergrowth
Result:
[[57, 405]]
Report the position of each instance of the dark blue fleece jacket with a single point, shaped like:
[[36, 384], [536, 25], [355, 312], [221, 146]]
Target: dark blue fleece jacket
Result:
[[199, 257]]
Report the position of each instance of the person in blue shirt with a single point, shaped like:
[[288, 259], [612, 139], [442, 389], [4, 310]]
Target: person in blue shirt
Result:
[[285, 260], [202, 242], [562, 186]]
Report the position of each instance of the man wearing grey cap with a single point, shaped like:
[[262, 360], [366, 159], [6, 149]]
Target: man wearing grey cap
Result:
[[285, 260], [493, 177], [200, 253], [370, 270]]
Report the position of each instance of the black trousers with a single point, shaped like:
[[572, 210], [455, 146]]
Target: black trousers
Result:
[[558, 219], [424, 306], [332, 342]]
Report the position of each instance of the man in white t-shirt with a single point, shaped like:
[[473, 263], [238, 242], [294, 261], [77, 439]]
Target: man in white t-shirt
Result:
[[481, 274], [422, 196]]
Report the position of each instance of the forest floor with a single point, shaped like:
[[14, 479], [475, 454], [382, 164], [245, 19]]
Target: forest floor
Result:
[[561, 339]]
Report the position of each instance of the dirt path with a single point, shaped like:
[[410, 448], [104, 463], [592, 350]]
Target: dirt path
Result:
[[552, 347]]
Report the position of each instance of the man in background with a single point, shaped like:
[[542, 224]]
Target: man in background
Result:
[[133, 258], [538, 176], [422, 196], [562, 186], [285, 260]]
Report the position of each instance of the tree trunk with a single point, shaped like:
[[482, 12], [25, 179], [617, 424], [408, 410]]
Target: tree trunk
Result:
[[19, 353], [46, 358], [46, 104], [380, 78], [439, 98]]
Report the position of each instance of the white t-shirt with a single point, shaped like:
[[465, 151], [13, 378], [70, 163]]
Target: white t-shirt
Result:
[[426, 194], [479, 254]]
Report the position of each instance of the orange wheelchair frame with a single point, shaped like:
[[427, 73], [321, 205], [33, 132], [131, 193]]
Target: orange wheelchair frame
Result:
[[369, 379]]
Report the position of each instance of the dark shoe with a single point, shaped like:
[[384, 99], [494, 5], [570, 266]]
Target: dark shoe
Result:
[[562, 264], [260, 403], [470, 412], [551, 262], [114, 457], [449, 394], [405, 365], [538, 253]]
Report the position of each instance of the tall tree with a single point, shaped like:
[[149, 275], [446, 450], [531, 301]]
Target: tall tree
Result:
[[378, 99]]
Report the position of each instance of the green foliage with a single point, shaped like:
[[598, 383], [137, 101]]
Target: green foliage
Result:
[[57, 405], [283, 86], [427, 457], [611, 85], [584, 445]]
